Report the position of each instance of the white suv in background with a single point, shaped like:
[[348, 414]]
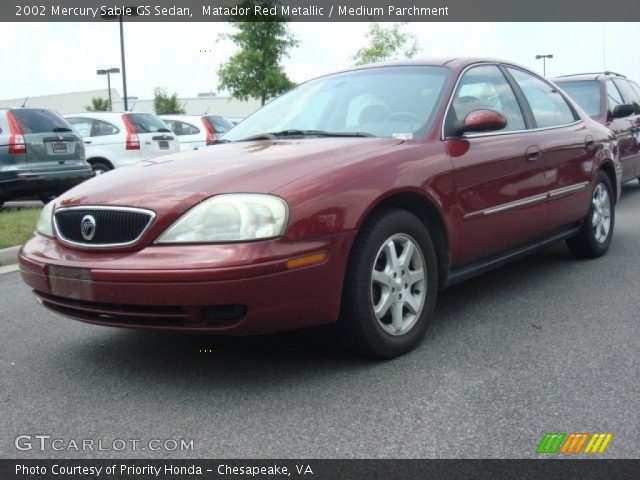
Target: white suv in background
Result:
[[196, 130], [115, 140]]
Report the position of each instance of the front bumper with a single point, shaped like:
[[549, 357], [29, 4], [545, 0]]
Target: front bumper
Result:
[[237, 289]]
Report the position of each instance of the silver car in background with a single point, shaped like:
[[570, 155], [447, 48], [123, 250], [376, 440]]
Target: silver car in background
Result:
[[197, 130], [115, 140]]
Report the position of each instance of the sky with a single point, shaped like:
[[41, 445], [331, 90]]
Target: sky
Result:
[[49, 58]]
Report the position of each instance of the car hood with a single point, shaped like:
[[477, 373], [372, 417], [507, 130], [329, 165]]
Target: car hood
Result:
[[174, 183]]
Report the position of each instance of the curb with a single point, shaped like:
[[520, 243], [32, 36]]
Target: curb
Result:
[[9, 256]]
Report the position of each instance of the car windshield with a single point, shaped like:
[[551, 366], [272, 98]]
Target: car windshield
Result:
[[383, 102], [147, 123], [585, 93]]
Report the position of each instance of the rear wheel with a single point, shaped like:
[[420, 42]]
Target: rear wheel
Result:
[[595, 234], [100, 167], [390, 286]]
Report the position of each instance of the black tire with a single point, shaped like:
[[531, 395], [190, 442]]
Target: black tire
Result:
[[585, 244], [100, 167], [46, 197], [358, 327]]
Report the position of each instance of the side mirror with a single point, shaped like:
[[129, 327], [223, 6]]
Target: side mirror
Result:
[[483, 121], [623, 110]]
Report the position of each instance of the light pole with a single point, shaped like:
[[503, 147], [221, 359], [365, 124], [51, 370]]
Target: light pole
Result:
[[125, 12], [108, 73], [544, 63]]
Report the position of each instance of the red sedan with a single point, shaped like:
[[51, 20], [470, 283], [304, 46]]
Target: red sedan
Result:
[[354, 198]]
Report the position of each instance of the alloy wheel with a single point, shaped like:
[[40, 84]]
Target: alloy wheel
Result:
[[398, 284], [601, 218]]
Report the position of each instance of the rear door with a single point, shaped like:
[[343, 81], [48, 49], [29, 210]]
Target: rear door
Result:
[[51, 142], [499, 181], [631, 97], [155, 136], [567, 149]]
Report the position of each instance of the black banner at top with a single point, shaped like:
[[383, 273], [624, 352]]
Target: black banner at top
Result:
[[320, 10]]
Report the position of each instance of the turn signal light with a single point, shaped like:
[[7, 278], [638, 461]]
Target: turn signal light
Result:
[[307, 260]]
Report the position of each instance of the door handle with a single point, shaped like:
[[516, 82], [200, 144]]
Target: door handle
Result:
[[532, 153], [590, 143], [87, 141]]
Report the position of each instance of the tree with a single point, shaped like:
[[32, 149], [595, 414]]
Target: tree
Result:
[[98, 104], [164, 104], [387, 44], [256, 70]]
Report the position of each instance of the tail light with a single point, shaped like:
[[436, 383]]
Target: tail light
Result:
[[17, 144], [133, 141], [210, 131]]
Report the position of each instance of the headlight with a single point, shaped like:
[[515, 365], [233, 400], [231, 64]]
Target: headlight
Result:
[[45, 222], [233, 217]]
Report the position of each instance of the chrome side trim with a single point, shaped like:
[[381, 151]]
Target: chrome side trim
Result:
[[527, 201], [571, 188], [443, 137], [59, 236], [519, 203]]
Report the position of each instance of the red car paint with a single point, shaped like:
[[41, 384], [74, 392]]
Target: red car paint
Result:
[[330, 185]]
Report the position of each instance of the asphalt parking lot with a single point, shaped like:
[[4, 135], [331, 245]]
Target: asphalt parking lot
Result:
[[548, 344]]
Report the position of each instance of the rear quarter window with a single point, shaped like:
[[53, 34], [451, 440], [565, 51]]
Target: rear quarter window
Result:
[[34, 120]]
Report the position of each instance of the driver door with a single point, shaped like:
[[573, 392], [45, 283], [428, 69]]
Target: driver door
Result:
[[501, 192]]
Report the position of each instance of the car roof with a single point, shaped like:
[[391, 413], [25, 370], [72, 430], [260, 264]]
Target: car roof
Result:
[[455, 63], [106, 115], [575, 77], [181, 117]]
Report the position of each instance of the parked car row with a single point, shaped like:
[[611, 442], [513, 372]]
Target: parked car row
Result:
[[44, 154], [353, 198]]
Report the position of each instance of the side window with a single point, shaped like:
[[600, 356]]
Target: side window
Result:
[[628, 95], [484, 87], [613, 95], [635, 88], [101, 129], [181, 128], [187, 129], [549, 107], [82, 125]]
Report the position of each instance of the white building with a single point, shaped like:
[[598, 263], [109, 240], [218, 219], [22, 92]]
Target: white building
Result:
[[75, 102]]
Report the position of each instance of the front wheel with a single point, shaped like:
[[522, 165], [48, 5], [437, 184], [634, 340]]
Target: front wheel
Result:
[[390, 286], [594, 237]]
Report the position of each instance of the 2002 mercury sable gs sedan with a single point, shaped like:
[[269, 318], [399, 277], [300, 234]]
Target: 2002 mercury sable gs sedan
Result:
[[353, 198]]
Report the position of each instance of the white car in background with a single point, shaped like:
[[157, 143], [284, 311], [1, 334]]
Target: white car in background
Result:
[[115, 140], [196, 130]]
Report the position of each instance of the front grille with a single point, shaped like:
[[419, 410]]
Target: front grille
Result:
[[104, 226]]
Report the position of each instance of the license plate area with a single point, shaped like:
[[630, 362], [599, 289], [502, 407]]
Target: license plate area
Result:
[[163, 144], [60, 147]]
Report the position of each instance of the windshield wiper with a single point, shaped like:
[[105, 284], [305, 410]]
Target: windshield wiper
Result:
[[303, 133], [61, 129], [162, 130]]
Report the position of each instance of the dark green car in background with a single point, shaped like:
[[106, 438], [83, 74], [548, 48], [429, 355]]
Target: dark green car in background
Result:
[[40, 154]]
